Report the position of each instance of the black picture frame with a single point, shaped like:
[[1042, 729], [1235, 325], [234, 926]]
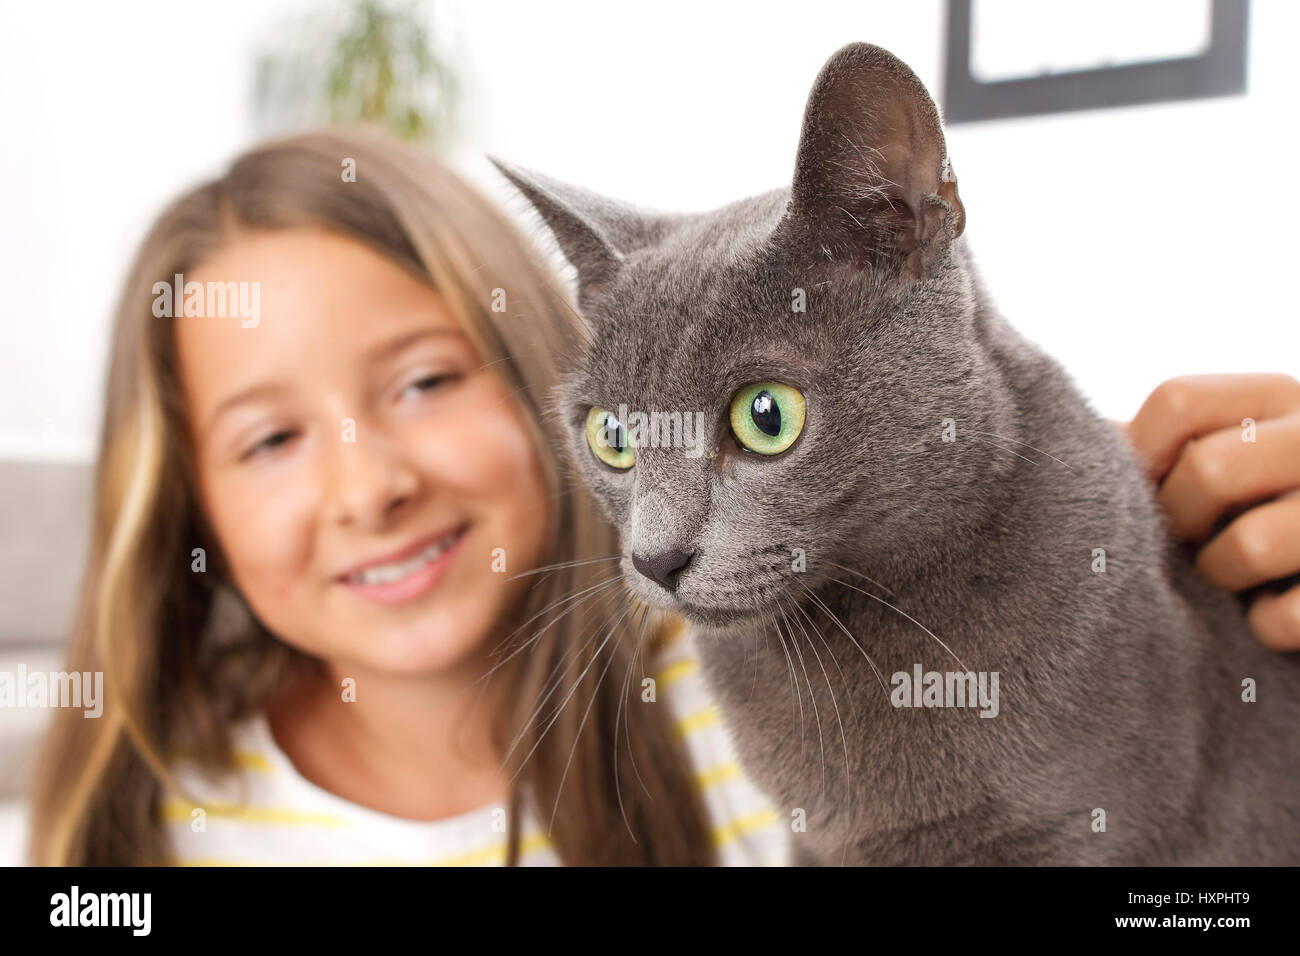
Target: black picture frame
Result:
[[1219, 71]]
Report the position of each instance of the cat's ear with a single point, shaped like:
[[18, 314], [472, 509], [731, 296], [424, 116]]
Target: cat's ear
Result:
[[595, 233], [873, 184]]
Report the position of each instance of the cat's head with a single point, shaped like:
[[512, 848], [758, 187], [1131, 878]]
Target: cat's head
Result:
[[763, 396]]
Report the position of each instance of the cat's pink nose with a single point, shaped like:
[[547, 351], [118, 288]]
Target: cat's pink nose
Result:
[[663, 567]]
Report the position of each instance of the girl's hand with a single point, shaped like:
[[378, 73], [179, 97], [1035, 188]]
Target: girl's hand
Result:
[[1225, 451]]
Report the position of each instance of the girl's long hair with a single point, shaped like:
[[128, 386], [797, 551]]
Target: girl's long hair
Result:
[[147, 621]]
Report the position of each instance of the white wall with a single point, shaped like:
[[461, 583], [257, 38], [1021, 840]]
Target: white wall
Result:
[[109, 110], [1134, 243]]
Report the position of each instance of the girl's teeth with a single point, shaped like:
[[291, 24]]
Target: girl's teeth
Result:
[[389, 573]]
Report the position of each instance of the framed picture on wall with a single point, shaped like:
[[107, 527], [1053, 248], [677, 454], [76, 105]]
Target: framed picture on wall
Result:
[[1010, 58]]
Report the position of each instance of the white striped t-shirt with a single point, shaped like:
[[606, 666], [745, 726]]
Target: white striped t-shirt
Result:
[[265, 813]]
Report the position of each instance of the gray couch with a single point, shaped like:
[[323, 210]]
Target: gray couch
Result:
[[44, 525]]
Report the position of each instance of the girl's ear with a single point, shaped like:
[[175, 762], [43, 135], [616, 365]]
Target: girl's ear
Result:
[[595, 233], [872, 182]]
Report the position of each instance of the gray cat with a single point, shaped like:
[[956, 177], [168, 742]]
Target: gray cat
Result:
[[898, 503]]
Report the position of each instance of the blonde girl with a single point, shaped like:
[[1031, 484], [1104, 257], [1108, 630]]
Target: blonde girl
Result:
[[348, 604]]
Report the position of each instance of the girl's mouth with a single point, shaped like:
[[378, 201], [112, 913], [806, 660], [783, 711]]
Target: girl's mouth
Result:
[[402, 579]]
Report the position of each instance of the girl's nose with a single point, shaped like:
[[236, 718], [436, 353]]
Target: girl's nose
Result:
[[371, 482]]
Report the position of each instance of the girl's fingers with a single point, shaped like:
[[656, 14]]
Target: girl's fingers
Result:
[[1223, 469], [1189, 407], [1190, 434], [1261, 545], [1275, 619]]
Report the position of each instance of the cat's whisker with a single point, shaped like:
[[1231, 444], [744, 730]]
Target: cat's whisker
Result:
[[795, 693], [812, 696], [572, 596], [486, 678], [551, 569], [857, 222], [553, 682], [622, 699], [1011, 451], [861, 575], [906, 615], [635, 663], [849, 634], [971, 431], [817, 631], [844, 741], [848, 778], [564, 564], [574, 651], [574, 600], [640, 666], [577, 737]]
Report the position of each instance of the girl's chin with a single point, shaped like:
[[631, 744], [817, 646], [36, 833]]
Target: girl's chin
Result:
[[440, 642]]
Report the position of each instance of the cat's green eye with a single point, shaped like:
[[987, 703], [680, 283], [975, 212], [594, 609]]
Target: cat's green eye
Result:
[[766, 417], [607, 437]]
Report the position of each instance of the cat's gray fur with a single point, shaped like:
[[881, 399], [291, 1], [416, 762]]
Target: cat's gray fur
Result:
[[1120, 690]]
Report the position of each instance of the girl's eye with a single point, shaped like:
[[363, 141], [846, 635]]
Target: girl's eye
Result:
[[607, 437], [268, 444], [766, 417], [428, 383]]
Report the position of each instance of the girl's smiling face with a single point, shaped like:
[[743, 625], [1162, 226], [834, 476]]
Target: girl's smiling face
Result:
[[356, 459]]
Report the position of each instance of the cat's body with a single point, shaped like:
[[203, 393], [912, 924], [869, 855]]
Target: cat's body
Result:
[[953, 471], [1119, 689]]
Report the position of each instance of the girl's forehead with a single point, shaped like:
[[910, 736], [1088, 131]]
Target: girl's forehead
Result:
[[304, 285], [298, 304], [325, 272]]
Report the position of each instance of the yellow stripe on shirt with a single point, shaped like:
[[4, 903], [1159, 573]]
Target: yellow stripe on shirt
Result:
[[527, 844], [252, 760], [174, 811], [701, 718], [718, 774], [247, 759], [494, 853], [742, 825], [676, 671], [722, 835]]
